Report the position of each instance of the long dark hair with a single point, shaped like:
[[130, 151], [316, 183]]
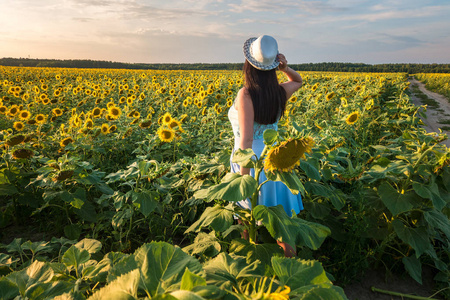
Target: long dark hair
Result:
[[268, 96]]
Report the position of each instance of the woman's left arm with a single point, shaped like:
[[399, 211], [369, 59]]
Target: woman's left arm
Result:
[[246, 115]]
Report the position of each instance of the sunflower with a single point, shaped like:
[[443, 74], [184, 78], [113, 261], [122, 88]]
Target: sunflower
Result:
[[105, 128], [15, 140], [166, 118], [344, 102], [3, 109], [18, 126], [24, 115], [145, 124], [352, 118], [66, 142], [112, 128], [183, 117], [166, 134], [13, 110], [22, 153], [287, 155], [280, 294], [175, 125], [89, 123], [330, 96], [57, 112], [63, 175], [40, 119], [114, 112], [96, 112]]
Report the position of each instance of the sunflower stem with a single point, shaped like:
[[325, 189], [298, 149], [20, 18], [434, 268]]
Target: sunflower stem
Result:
[[254, 200]]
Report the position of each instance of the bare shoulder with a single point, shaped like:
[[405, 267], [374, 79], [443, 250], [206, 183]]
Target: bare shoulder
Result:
[[243, 98]]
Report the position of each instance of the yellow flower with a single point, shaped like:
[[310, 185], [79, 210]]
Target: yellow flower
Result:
[[24, 115], [18, 126], [15, 140], [176, 125], [114, 112], [89, 123], [330, 96], [166, 134], [66, 142], [352, 118], [112, 128], [40, 119], [287, 155], [145, 124], [13, 110], [183, 117], [105, 128], [57, 112], [344, 102], [282, 295], [22, 153], [166, 119], [96, 112]]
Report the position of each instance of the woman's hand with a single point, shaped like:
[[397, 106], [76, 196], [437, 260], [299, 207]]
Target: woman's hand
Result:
[[283, 62]]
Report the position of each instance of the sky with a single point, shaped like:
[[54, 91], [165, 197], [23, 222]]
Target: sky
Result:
[[207, 31]]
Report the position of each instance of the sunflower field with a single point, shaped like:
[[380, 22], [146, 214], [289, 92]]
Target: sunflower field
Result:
[[438, 83], [116, 184]]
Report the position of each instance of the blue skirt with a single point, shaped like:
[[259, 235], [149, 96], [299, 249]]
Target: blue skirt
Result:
[[272, 193]]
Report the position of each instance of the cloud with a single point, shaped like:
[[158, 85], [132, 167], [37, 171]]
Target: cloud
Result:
[[282, 6]]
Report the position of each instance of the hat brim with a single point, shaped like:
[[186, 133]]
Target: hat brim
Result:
[[253, 62]]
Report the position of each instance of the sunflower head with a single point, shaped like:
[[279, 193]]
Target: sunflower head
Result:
[[40, 119], [57, 112], [114, 112], [96, 112], [175, 125], [18, 126], [145, 124], [24, 115], [66, 142], [287, 154], [22, 153], [105, 128], [352, 118], [166, 118], [15, 140], [63, 175], [330, 96], [166, 134]]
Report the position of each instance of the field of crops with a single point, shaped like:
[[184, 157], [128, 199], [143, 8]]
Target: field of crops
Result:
[[438, 83], [124, 176]]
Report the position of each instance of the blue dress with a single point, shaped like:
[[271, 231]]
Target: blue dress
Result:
[[272, 193]]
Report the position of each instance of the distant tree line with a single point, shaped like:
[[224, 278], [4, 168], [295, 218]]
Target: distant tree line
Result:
[[409, 68]]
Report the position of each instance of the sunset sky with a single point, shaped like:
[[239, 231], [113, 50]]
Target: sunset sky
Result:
[[191, 31]]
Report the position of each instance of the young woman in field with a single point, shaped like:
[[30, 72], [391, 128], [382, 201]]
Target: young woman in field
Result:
[[258, 106]]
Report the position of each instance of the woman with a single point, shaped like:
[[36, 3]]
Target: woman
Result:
[[258, 106]]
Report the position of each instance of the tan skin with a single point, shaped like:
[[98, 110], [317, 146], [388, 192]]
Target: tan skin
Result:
[[244, 106]]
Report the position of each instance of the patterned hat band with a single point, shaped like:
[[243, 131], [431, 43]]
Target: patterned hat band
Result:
[[262, 52]]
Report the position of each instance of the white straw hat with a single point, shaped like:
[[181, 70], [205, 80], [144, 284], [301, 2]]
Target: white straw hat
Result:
[[262, 52]]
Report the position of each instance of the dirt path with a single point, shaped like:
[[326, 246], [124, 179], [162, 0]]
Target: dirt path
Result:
[[434, 114]]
